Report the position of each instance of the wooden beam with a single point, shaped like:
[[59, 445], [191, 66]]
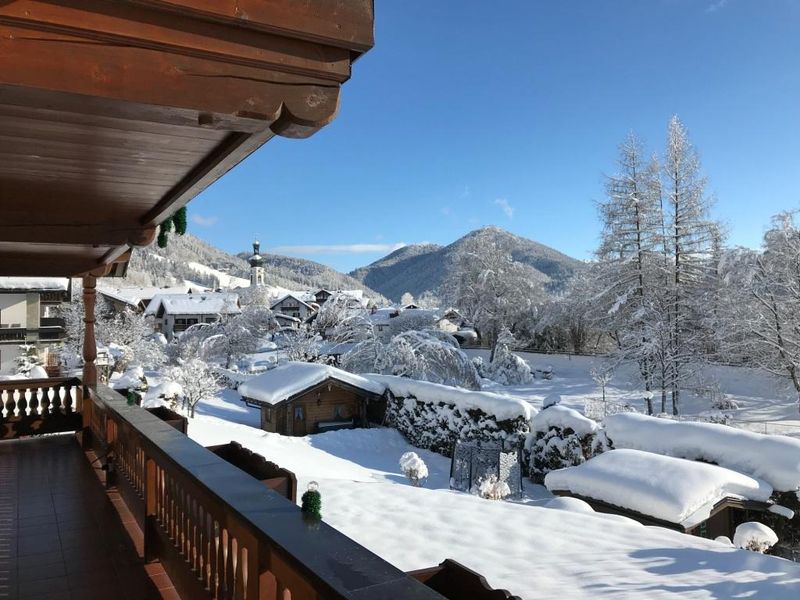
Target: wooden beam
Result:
[[42, 232], [154, 84], [343, 23], [126, 24]]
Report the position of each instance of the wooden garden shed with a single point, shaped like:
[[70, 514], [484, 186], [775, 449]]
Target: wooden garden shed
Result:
[[302, 398]]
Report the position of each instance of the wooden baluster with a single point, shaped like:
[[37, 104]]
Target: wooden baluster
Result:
[[235, 589], [50, 400], [4, 403], [217, 561], [89, 342], [38, 401], [27, 396], [16, 411]]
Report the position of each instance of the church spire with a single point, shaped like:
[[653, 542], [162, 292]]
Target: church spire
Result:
[[257, 274]]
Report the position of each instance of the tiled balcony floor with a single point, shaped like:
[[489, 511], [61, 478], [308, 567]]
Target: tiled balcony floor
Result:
[[60, 535]]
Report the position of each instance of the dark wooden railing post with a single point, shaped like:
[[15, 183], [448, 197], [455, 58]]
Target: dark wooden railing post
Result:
[[89, 356], [89, 342]]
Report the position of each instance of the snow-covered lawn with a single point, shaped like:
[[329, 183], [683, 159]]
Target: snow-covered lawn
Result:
[[761, 397], [533, 551]]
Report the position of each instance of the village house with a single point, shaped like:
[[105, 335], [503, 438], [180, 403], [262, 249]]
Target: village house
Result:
[[292, 305], [119, 299], [302, 398], [175, 313], [29, 315]]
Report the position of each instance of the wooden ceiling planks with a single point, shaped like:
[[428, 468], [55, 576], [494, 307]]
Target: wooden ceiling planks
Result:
[[114, 113]]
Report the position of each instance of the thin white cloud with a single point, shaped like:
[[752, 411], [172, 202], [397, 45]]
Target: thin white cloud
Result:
[[505, 207], [445, 210], [203, 221], [338, 248], [716, 5]]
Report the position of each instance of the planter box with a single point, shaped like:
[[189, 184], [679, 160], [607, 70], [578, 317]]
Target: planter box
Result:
[[170, 417], [271, 475]]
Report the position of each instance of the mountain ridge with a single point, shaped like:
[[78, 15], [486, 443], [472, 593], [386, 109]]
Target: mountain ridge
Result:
[[421, 268]]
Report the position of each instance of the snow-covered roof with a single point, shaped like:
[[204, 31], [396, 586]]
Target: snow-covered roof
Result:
[[382, 315], [671, 489], [501, 406], [60, 284], [773, 458], [135, 295], [296, 297], [563, 417], [290, 379], [206, 303]]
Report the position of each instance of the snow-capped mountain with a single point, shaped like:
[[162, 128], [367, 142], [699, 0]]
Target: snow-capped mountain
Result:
[[423, 267], [190, 258]]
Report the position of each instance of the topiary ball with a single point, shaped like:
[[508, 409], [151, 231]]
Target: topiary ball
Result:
[[311, 501]]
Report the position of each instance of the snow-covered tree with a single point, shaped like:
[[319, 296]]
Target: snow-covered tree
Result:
[[197, 384], [301, 344], [343, 318], [491, 289], [506, 368], [27, 359], [493, 488], [133, 332], [425, 355], [406, 299], [413, 319]]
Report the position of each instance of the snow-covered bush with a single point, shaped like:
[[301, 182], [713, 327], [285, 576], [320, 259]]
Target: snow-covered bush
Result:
[[724, 402], [561, 437], [492, 488], [414, 468], [754, 536], [435, 416]]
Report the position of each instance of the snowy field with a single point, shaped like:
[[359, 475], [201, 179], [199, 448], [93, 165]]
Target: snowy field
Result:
[[767, 404], [527, 548]]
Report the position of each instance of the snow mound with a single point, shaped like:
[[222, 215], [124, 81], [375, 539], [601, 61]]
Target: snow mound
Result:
[[754, 536], [773, 458], [131, 378], [562, 417], [570, 504], [37, 372], [551, 400], [501, 406], [291, 378], [672, 489]]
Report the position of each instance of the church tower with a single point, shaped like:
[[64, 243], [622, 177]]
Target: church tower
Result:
[[257, 275]]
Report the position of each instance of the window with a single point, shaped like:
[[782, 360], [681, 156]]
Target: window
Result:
[[299, 413], [339, 411]]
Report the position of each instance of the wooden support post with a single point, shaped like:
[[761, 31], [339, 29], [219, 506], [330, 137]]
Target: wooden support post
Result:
[[89, 343]]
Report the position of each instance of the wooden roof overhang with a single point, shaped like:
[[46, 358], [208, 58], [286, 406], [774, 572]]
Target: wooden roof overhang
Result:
[[115, 113]]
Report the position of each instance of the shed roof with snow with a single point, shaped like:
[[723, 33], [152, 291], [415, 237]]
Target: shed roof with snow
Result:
[[295, 378], [773, 458], [34, 284], [674, 490]]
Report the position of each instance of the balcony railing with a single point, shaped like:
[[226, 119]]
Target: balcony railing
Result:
[[37, 406], [218, 532], [51, 322]]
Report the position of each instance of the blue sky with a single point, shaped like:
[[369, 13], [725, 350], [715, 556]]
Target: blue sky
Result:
[[470, 113]]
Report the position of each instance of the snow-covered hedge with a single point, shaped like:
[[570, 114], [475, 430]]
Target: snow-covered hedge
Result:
[[754, 536], [773, 458], [435, 416], [561, 437]]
